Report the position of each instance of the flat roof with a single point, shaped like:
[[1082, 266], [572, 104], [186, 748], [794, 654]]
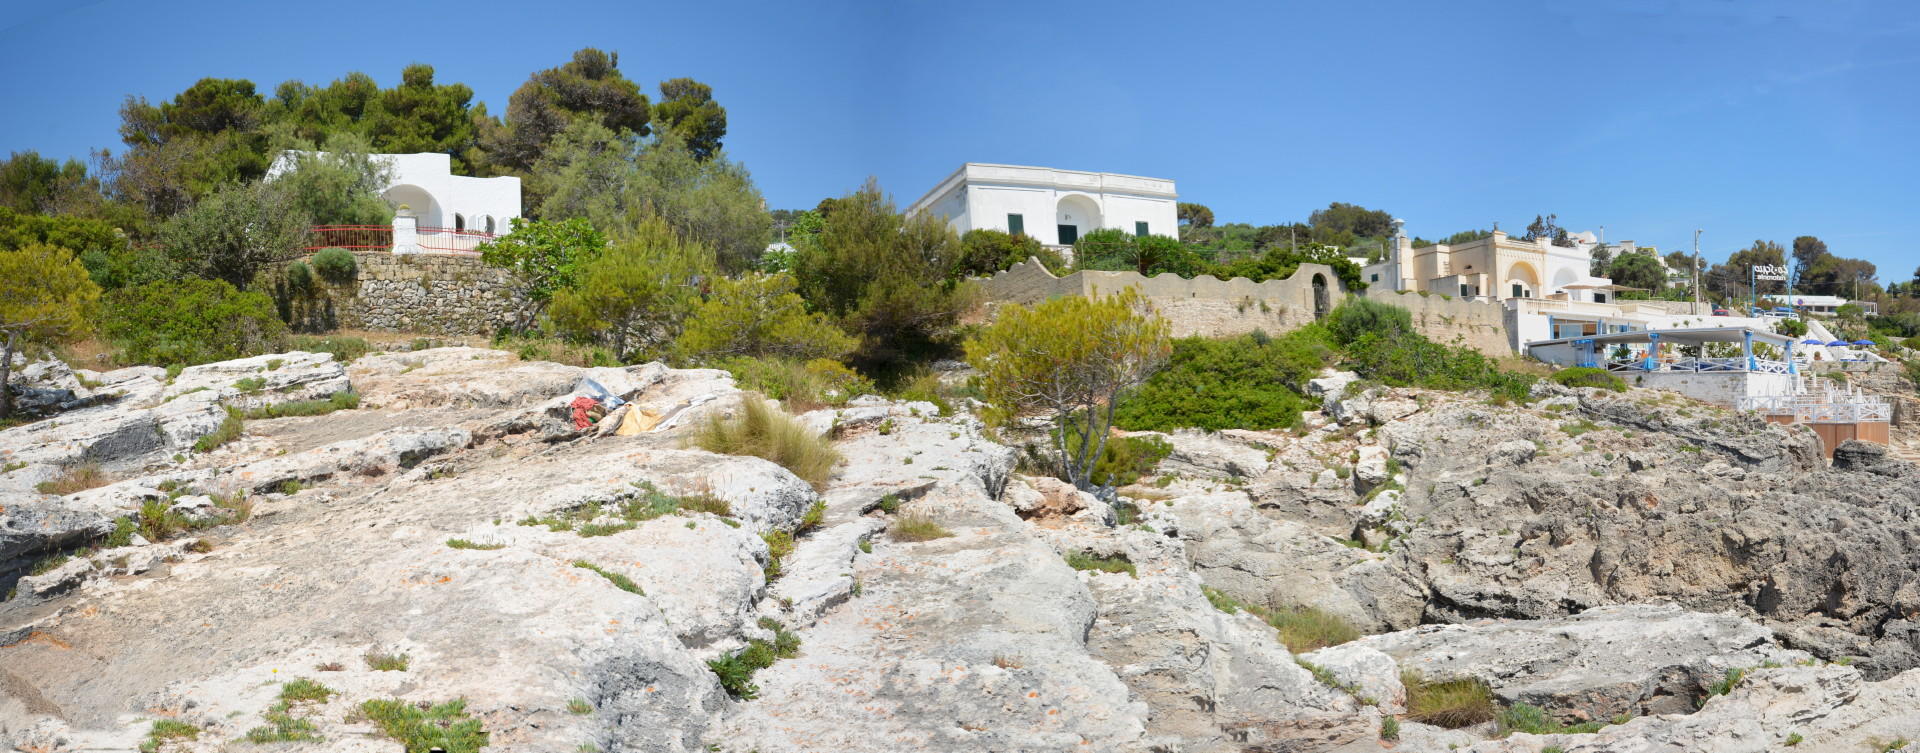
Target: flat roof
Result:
[[961, 175], [1688, 335]]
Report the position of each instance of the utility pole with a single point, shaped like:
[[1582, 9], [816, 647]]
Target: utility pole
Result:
[[1696, 270]]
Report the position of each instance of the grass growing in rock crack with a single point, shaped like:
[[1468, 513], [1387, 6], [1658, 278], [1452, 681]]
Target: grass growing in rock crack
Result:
[[465, 544], [78, 478], [619, 581], [763, 432], [815, 515], [579, 707], [1533, 720], [1301, 628], [917, 528], [283, 726], [627, 513], [1390, 728], [423, 726], [779, 545], [383, 661], [166, 730], [342, 400], [1725, 684], [1117, 563], [735, 670], [230, 429], [1452, 704]]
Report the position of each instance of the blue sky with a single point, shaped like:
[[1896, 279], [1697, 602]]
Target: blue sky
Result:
[[1755, 119]]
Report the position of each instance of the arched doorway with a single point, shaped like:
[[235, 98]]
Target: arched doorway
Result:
[[1523, 281], [1074, 216], [1319, 296], [418, 200]]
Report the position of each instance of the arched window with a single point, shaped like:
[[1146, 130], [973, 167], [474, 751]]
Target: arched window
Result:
[[459, 222], [489, 224]]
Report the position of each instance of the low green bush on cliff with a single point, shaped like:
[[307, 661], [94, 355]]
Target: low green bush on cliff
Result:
[[1246, 382], [1587, 376], [189, 322], [335, 265]]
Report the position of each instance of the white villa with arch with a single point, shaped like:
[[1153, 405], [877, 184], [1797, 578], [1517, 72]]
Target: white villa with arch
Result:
[[1052, 206], [436, 211]]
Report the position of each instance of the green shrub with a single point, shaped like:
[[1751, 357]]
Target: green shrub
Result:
[[1452, 704], [1126, 459], [1246, 382], [168, 729], [191, 321], [802, 386], [1356, 317], [735, 670], [1117, 563], [299, 278], [758, 315], [445, 726], [1410, 360], [230, 429], [1587, 376], [335, 265], [1390, 728], [984, 252], [762, 432]]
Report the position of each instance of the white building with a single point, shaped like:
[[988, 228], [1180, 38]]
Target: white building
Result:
[[448, 212], [1055, 207], [1495, 268], [1824, 305]]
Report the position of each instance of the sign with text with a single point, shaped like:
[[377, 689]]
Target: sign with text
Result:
[[1769, 272]]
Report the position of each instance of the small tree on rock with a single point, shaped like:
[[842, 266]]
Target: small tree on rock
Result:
[[46, 298], [1071, 359], [545, 257], [635, 295]]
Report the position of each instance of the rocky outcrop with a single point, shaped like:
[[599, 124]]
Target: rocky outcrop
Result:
[[1605, 662]]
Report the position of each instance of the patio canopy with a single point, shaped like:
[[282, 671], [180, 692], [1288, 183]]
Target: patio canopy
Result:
[[1691, 336]]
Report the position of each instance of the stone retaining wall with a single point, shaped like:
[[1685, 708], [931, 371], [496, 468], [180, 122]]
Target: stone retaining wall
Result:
[[1208, 306], [426, 293]]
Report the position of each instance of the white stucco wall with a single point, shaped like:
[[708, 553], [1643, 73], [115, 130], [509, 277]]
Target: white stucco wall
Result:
[[439, 199], [981, 196]]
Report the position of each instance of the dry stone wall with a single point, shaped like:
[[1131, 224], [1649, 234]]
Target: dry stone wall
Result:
[[1208, 306], [426, 293]]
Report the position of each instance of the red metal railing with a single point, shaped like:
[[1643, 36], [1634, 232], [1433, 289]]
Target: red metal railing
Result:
[[446, 240], [429, 240], [350, 236]]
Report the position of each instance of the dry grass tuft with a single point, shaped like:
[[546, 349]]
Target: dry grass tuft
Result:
[[1452, 704], [79, 478], [764, 432], [917, 528]]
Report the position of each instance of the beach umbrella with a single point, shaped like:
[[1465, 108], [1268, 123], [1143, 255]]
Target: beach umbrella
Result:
[[1811, 342], [1863, 342], [1840, 343]]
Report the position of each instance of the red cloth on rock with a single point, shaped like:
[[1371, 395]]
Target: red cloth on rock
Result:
[[580, 407]]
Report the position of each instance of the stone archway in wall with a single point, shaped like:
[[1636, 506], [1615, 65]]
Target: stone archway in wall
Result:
[[1522, 281], [1074, 216], [423, 205], [1321, 299]]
